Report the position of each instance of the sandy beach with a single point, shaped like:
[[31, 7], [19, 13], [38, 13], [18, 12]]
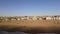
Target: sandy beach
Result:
[[31, 25]]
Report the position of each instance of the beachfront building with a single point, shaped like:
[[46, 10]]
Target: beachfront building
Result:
[[18, 18], [59, 18], [12, 18], [30, 18], [34, 18], [49, 18], [24, 18], [39, 18]]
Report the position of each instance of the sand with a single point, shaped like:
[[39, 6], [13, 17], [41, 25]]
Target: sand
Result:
[[31, 25]]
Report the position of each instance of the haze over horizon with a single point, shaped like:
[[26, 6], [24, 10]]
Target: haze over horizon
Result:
[[29, 7]]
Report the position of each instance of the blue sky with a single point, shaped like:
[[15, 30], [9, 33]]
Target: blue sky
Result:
[[29, 7]]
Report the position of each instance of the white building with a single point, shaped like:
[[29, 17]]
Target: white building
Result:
[[49, 18], [34, 18], [39, 18], [23, 18], [18, 19], [59, 18], [30, 18]]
